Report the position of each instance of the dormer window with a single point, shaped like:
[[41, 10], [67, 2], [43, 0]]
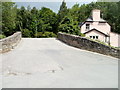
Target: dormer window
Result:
[[87, 26]]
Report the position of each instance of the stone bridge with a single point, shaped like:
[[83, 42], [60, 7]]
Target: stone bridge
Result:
[[49, 63]]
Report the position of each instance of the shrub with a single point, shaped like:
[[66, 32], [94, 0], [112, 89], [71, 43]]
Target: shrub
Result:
[[82, 35], [45, 34], [26, 33], [2, 36]]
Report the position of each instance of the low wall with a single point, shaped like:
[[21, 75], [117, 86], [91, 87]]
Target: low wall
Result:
[[86, 44], [10, 42]]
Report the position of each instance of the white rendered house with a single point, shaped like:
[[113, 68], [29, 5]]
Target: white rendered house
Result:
[[97, 28]]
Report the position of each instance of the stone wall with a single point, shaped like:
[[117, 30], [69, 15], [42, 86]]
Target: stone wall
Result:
[[10, 42], [86, 44]]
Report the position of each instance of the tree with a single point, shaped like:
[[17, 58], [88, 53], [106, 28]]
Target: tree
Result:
[[63, 11], [34, 11], [1, 33], [45, 23], [26, 33], [67, 25], [74, 12], [36, 20], [8, 18], [48, 17]]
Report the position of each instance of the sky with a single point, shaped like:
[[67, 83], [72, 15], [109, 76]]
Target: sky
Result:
[[52, 4]]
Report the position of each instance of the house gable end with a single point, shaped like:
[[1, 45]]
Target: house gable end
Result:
[[97, 31]]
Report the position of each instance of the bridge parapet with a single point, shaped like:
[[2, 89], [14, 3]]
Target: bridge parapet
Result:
[[87, 44], [10, 42]]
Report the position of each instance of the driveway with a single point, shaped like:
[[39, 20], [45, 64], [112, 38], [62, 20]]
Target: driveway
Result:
[[49, 63]]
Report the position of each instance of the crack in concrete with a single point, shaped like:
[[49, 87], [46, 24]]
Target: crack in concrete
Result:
[[9, 72]]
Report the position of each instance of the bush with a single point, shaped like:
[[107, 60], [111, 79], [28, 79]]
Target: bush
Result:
[[68, 25], [82, 35], [45, 34], [26, 33], [2, 36]]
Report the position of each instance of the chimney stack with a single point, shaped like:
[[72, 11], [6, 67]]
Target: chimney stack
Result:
[[96, 15]]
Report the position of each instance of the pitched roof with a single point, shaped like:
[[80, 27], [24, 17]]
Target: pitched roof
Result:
[[97, 31], [90, 19]]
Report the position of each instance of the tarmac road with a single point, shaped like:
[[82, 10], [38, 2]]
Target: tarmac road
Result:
[[49, 63]]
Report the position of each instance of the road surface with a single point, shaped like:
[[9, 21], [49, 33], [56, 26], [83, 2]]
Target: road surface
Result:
[[49, 63]]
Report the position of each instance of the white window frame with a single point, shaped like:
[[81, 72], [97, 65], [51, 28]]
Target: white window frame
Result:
[[87, 26]]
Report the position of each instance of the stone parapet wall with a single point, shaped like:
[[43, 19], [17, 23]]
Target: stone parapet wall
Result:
[[10, 42], [86, 44]]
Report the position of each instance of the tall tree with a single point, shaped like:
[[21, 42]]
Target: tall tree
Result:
[[63, 11], [8, 18], [1, 18], [49, 19], [75, 11]]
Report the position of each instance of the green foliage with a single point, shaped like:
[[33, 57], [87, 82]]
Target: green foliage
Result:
[[82, 35], [2, 36], [44, 22], [67, 25], [8, 18], [26, 33], [36, 20], [110, 12], [62, 12], [45, 34]]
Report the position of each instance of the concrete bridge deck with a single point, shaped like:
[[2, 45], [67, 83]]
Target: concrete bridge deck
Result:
[[49, 63]]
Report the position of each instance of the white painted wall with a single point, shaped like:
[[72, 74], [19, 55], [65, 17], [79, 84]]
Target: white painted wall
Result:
[[101, 37], [103, 27], [115, 39]]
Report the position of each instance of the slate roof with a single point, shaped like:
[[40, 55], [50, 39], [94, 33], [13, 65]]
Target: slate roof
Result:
[[90, 19]]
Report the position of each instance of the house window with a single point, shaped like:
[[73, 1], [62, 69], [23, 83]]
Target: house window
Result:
[[90, 36], [87, 26], [106, 39], [94, 37]]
